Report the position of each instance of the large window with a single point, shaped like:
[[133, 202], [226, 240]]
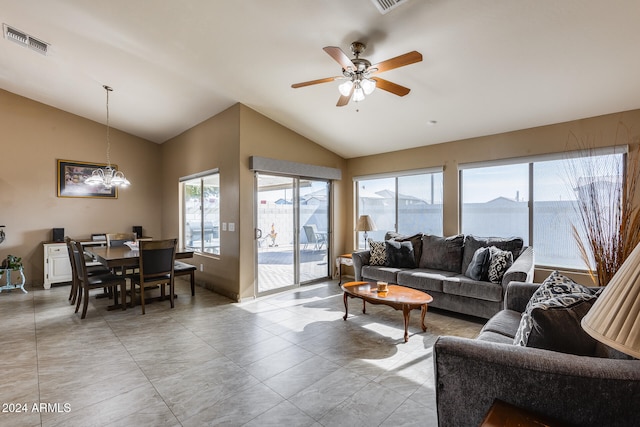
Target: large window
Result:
[[407, 203], [201, 212], [536, 199]]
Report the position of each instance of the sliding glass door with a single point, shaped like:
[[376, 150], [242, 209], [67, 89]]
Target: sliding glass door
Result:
[[292, 231]]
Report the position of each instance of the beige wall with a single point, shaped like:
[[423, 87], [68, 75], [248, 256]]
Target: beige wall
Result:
[[226, 141], [212, 144], [260, 136], [598, 131], [33, 137]]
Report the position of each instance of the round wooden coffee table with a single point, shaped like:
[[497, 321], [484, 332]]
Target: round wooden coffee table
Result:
[[397, 297]]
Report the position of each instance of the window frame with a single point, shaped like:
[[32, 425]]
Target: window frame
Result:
[[202, 176], [395, 176], [530, 161]]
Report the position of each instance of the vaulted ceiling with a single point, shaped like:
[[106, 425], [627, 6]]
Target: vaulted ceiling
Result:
[[489, 66]]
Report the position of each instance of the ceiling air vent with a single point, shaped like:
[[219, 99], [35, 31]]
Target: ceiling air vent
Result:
[[385, 6], [25, 39]]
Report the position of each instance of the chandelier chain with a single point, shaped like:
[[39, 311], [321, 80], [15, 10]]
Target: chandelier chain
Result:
[[108, 89]]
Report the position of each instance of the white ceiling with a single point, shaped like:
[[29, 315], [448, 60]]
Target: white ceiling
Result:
[[489, 66]]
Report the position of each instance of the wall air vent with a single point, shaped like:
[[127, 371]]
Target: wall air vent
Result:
[[385, 6], [25, 39]]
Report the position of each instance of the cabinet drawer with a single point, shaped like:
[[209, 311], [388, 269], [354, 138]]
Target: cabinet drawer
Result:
[[57, 250]]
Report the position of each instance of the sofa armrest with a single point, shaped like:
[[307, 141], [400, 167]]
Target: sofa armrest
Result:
[[521, 270], [577, 390], [359, 259], [518, 295]]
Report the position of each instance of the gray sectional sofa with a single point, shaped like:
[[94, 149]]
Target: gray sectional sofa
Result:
[[574, 390], [440, 269]]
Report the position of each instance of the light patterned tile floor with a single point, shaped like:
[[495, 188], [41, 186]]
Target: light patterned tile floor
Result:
[[288, 359]]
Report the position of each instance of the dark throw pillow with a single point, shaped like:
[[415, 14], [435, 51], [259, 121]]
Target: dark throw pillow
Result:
[[442, 253], [399, 254], [559, 329], [479, 266], [472, 243], [556, 292], [416, 241], [378, 253]]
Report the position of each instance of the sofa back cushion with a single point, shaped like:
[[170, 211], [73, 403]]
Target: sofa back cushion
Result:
[[442, 253], [473, 243]]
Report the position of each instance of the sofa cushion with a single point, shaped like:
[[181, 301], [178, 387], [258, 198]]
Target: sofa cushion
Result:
[[416, 242], [378, 253], [466, 287], [423, 279], [505, 322], [472, 243], [442, 253], [479, 266], [495, 337], [399, 254], [559, 329], [385, 274], [499, 263]]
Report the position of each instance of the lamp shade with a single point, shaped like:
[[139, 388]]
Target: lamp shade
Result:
[[365, 223], [614, 319]]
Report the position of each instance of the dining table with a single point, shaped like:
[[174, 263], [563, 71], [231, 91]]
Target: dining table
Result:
[[124, 257]]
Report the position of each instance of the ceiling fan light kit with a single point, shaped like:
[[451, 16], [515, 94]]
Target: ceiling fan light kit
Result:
[[359, 73]]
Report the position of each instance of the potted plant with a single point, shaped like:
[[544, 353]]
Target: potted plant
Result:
[[12, 263]]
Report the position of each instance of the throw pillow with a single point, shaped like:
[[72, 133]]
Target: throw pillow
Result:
[[479, 266], [378, 253], [499, 264], [472, 243], [416, 241], [554, 286], [558, 328], [399, 254], [442, 253]]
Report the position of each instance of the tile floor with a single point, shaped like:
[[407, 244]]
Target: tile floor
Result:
[[284, 360]]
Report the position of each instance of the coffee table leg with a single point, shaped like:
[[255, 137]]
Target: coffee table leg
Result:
[[406, 309], [346, 307], [424, 311], [364, 307]]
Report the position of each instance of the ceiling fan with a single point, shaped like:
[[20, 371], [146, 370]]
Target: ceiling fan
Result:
[[360, 76]]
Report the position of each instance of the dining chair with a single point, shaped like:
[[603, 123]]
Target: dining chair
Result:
[[87, 282], [119, 239], [157, 260], [92, 270], [182, 269]]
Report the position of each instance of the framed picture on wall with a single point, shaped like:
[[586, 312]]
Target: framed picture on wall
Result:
[[71, 177]]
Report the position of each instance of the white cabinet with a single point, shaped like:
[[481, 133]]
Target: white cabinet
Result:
[[57, 268]]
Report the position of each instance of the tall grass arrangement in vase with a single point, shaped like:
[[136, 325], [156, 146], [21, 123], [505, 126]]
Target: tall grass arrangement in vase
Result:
[[608, 227]]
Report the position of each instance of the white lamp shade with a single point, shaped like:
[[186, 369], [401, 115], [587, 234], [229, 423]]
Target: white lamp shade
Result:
[[614, 319], [345, 88], [358, 95], [368, 86]]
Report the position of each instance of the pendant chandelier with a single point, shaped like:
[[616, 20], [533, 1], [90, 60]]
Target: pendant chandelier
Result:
[[108, 177]]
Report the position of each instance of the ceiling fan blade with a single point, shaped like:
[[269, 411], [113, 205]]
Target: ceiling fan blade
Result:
[[340, 57], [395, 89], [344, 100], [398, 61], [315, 82]]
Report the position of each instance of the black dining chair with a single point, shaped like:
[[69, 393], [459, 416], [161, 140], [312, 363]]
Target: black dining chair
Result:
[[75, 291], [87, 282], [157, 259], [183, 269]]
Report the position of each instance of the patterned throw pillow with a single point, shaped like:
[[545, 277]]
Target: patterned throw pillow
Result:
[[557, 290], [499, 264], [378, 253]]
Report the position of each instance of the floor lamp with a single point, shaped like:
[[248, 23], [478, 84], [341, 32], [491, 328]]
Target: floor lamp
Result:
[[614, 318], [366, 224]]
